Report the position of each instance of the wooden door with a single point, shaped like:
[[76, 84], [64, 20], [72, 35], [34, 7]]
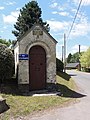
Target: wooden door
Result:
[[37, 68]]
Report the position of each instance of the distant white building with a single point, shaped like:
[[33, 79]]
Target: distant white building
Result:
[[73, 66]]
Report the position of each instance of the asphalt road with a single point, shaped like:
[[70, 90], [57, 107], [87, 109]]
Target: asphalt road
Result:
[[77, 111], [82, 79]]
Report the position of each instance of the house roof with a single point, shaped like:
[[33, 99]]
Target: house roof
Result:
[[72, 65], [27, 32]]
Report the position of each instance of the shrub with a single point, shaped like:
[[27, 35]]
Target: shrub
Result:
[[59, 65], [84, 69], [6, 62]]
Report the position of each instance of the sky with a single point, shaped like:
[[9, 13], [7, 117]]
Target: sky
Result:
[[59, 14]]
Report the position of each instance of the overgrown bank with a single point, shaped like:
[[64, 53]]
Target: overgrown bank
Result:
[[24, 105]]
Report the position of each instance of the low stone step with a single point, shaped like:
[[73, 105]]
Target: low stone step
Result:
[[3, 106]]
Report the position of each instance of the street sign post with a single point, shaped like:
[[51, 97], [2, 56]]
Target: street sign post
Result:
[[23, 56]]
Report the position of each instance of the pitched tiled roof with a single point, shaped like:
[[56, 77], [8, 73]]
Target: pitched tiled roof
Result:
[[72, 65]]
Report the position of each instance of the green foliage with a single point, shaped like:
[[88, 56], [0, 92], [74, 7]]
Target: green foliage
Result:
[[59, 65], [6, 62], [85, 59], [21, 105], [29, 15], [3, 41], [69, 58], [73, 58]]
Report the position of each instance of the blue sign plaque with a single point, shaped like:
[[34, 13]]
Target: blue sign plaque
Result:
[[23, 57]]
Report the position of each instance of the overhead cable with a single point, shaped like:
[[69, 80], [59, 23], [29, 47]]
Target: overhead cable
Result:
[[74, 19]]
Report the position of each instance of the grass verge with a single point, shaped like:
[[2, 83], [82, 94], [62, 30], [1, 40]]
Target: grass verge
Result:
[[24, 105]]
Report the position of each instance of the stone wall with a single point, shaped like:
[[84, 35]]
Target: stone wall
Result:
[[45, 41]]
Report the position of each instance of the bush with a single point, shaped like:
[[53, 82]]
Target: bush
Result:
[[85, 69], [59, 65], [6, 62]]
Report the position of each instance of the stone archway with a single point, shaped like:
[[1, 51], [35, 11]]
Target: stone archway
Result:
[[37, 68]]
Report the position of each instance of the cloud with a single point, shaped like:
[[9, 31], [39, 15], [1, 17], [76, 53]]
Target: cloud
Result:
[[57, 26], [84, 2], [63, 13], [5, 27], [54, 12], [12, 18], [59, 51], [74, 11], [2, 31], [1, 8], [60, 7], [54, 5], [18, 9], [10, 3], [82, 28]]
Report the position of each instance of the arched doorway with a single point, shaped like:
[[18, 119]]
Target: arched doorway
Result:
[[37, 68]]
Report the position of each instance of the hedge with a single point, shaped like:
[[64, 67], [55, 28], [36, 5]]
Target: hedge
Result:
[[6, 62]]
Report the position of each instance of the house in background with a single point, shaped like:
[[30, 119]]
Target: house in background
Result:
[[35, 59], [73, 66]]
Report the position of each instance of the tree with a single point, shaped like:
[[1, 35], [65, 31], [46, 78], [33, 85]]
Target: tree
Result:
[[29, 15], [73, 58], [3, 41], [69, 58], [6, 62], [85, 59]]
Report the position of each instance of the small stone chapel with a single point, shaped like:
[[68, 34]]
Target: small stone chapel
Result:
[[35, 59]]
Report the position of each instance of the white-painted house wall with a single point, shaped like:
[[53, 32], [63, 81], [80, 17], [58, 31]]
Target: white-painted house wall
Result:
[[16, 54]]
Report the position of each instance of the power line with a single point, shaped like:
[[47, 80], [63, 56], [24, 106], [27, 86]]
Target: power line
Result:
[[74, 19]]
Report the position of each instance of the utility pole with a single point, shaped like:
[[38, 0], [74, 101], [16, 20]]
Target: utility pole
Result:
[[79, 59], [64, 52], [79, 49]]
